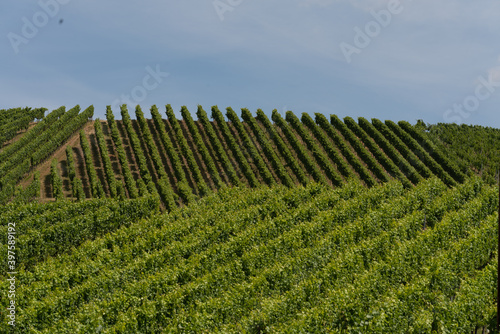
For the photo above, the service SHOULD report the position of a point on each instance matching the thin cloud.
(266, 54)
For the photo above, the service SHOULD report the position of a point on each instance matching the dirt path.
(97, 161)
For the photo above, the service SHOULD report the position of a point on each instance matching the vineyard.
(303, 259)
(183, 160)
(242, 223)
(478, 153)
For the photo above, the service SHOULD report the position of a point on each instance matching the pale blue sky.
(416, 63)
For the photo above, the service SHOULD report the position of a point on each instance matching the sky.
(400, 60)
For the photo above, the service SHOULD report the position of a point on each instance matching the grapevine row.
(387, 163)
(96, 188)
(414, 161)
(247, 142)
(77, 191)
(342, 166)
(396, 157)
(122, 156)
(216, 144)
(234, 147)
(163, 183)
(363, 153)
(31, 135)
(434, 151)
(317, 153)
(106, 160)
(301, 152)
(183, 187)
(57, 185)
(136, 146)
(267, 148)
(187, 152)
(198, 141)
(282, 148)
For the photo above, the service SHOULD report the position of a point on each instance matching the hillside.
(476, 148)
(244, 224)
(186, 159)
(269, 260)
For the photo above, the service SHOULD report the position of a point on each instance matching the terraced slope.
(266, 260)
(184, 159)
